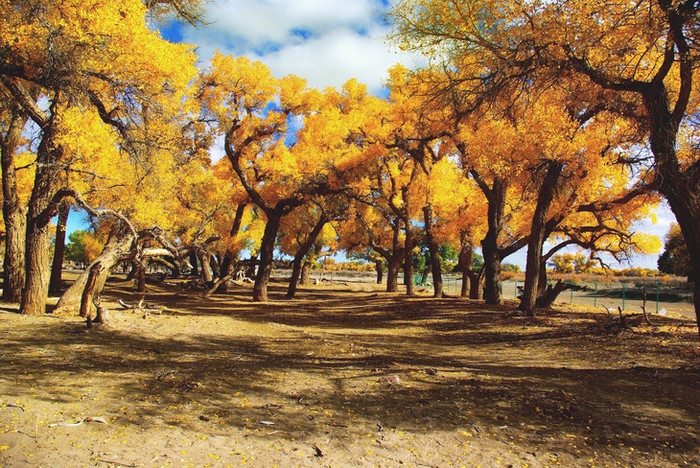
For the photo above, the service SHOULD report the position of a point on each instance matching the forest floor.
(344, 376)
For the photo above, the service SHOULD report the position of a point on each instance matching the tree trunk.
(38, 242)
(193, 262)
(170, 265)
(537, 237)
(267, 247)
(207, 271)
(681, 190)
(301, 254)
(470, 278)
(435, 267)
(475, 286)
(59, 248)
(296, 272)
(89, 291)
(226, 272)
(13, 214)
(379, 268)
(408, 263)
(392, 274)
(306, 274)
(140, 280)
(489, 245)
(394, 259)
(119, 247)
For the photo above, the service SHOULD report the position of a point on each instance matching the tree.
(84, 246)
(675, 259)
(280, 169)
(299, 235)
(109, 66)
(637, 59)
(13, 122)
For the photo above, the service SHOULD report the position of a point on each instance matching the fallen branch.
(80, 421)
(113, 462)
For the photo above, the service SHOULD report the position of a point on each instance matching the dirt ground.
(344, 376)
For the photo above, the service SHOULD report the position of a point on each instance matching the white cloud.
(325, 41)
(336, 57)
(260, 21)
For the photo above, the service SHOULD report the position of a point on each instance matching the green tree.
(675, 259)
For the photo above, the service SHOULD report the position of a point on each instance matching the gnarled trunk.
(392, 274)
(267, 247)
(38, 242)
(489, 245)
(207, 271)
(682, 190)
(59, 248)
(537, 237)
(470, 279)
(306, 274)
(13, 214)
(435, 267)
(408, 263)
(379, 269)
(301, 254)
(119, 247)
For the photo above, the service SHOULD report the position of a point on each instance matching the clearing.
(344, 376)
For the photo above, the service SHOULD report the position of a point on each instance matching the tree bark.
(119, 247)
(306, 274)
(537, 237)
(470, 279)
(38, 242)
(379, 268)
(435, 267)
(59, 248)
(392, 274)
(207, 271)
(267, 247)
(89, 291)
(681, 190)
(140, 280)
(489, 245)
(301, 254)
(408, 263)
(13, 213)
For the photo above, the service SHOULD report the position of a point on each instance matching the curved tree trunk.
(537, 237)
(119, 247)
(38, 242)
(682, 190)
(392, 274)
(306, 274)
(379, 269)
(267, 247)
(89, 291)
(207, 271)
(489, 245)
(140, 280)
(470, 278)
(59, 248)
(408, 264)
(301, 254)
(435, 267)
(13, 213)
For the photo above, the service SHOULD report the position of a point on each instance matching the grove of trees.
(535, 124)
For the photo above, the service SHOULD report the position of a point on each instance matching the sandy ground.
(344, 378)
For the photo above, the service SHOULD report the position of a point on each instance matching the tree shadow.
(330, 370)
